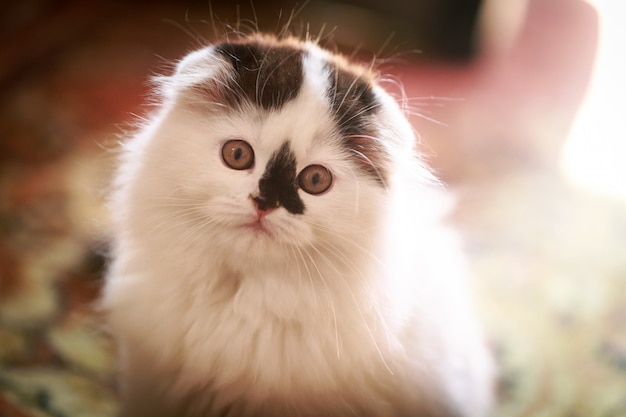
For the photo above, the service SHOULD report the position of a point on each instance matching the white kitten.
(278, 249)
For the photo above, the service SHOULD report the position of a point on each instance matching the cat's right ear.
(196, 66)
(195, 79)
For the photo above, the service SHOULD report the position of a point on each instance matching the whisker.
(357, 304)
(349, 263)
(332, 305)
(308, 270)
(334, 233)
(295, 259)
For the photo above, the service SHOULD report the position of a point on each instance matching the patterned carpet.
(548, 259)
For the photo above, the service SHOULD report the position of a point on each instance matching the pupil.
(315, 179)
(237, 153)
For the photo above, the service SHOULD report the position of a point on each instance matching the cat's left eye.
(315, 179)
(238, 154)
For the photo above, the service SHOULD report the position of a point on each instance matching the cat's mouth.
(258, 228)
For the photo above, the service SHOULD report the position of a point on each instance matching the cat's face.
(270, 150)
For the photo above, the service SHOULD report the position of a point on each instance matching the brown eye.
(238, 154)
(315, 179)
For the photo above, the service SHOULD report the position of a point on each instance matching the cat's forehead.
(274, 76)
(263, 75)
(269, 73)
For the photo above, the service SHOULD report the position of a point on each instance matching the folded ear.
(198, 73)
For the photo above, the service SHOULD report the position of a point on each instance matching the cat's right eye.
(238, 154)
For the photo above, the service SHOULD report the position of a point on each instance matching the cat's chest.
(273, 332)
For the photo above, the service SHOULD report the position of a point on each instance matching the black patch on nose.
(268, 76)
(277, 186)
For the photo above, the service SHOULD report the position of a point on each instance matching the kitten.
(278, 249)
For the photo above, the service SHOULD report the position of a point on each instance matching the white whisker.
(357, 303)
(330, 300)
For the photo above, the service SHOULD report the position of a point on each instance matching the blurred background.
(517, 105)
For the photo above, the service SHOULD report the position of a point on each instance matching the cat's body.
(279, 250)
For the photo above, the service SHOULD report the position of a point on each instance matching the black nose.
(263, 204)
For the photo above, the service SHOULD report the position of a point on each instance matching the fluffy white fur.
(358, 307)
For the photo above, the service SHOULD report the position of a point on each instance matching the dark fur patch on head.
(277, 186)
(264, 74)
(354, 105)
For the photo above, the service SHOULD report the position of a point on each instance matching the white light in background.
(595, 153)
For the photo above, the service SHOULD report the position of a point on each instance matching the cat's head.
(266, 148)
